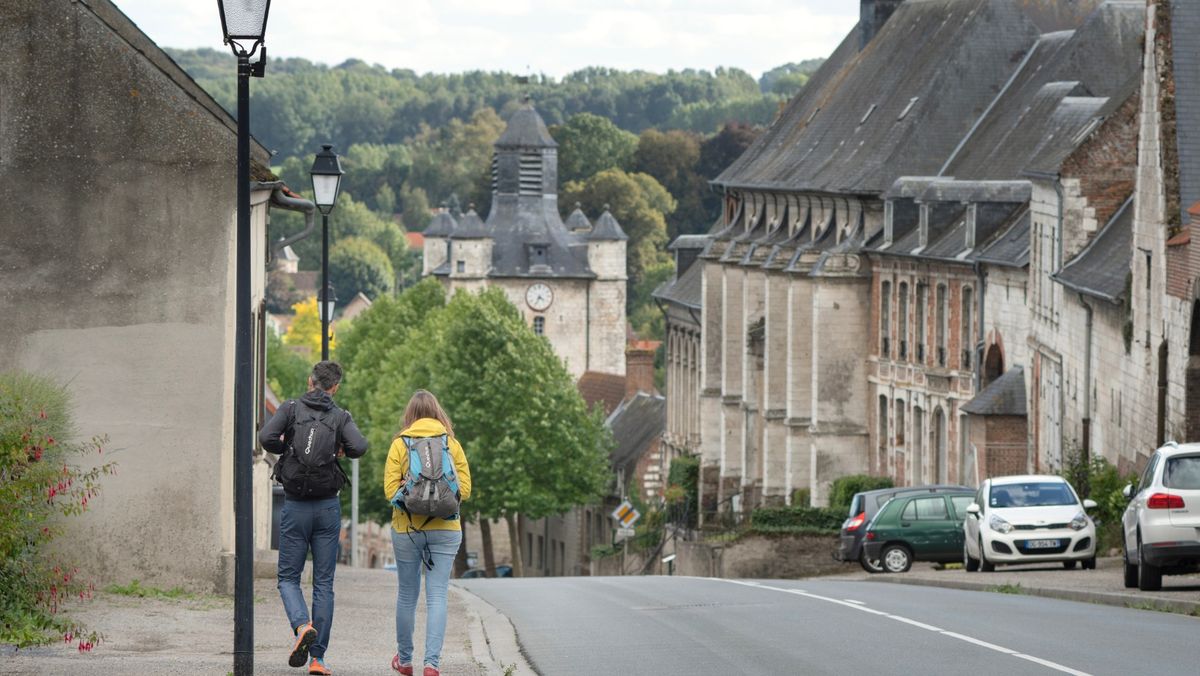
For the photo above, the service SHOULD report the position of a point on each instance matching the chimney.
(639, 367)
(872, 14)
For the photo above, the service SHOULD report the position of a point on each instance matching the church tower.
(566, 279)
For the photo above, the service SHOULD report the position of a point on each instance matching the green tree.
(671, 158)
(416, 208)
(589, 144)
(384, 354)
(450, 159)
(287, 369)
(357, 265)
(534, 448)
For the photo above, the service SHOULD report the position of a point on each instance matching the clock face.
(539, 296)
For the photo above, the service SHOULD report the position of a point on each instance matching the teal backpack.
(430, 486)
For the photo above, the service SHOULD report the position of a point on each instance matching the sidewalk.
(195, 635)
(1105, 585)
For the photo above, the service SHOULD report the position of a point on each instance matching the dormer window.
(537, 254)
(972, 221)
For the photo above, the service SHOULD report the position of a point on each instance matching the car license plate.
(1041, 544)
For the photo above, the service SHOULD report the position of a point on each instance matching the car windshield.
(1032, 494)
(1183, 473)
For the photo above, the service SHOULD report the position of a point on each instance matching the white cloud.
(543, 35)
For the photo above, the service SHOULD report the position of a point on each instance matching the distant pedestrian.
(312, 433)
(425, 479)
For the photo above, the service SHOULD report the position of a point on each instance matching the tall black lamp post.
(244, 23)
(327, 183)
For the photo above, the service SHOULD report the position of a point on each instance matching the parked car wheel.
(985, 566)
(1069, 565)
(870, 565)
(970, 563)
(896, 559)
(1149, 576)
(1131, 571)
(1088, 564)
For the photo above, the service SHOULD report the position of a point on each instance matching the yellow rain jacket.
(397, 466)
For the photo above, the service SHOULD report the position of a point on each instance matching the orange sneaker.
(317, 666)
(306, 635)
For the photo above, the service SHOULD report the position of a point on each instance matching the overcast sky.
(538, 36)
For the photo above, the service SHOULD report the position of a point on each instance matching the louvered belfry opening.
(531, 177)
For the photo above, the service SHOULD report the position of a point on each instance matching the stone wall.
(759, 557)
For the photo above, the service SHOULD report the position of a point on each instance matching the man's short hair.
(326, 374)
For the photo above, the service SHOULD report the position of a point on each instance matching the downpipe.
(281, 199)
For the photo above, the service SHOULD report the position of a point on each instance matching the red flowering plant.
(41, 487)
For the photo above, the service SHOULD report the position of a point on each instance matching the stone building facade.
(568, 279)
(122, 286)
(907, 254)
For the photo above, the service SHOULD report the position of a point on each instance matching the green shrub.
(1102, 482)
(38, 484)
(683, 490)
(844, 488)
(797, 519)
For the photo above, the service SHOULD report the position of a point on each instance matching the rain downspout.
(281, 199)
(982, 324)
(1087, 383)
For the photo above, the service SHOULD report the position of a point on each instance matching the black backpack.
(309, 467)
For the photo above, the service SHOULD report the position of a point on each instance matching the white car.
(1028, 519)
(1161, 525)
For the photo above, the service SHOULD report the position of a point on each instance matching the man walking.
(312, 433)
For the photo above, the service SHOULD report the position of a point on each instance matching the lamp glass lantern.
(244, 20)
(326, 302)
(326, 178)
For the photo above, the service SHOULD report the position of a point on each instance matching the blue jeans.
(305, 525)
(443, 546)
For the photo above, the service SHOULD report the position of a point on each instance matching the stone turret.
(437, 241)
(470, 248)
(606, 247)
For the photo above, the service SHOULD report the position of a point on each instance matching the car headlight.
(1079, 522)
(999, 525)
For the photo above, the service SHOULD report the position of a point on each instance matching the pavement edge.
(1131, 601)
(494, 643)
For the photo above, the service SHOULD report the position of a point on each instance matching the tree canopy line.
(644, 143)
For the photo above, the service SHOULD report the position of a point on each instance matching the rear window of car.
(856, 505)
(1182, 472)
(1031, 494)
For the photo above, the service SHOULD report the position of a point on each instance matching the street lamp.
(327, 183)
(244, 24)
(326, 302)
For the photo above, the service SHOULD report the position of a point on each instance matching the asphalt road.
(680, 625)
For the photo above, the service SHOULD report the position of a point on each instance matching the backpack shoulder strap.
(448, 465)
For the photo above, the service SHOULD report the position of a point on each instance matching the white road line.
(857, 605)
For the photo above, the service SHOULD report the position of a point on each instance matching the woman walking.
(423, 541)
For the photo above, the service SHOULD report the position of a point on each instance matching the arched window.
(885, 320)
(902, 311)
(539, 325)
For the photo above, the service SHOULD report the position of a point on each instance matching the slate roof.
(578, 222)
(517, 223)
(685, 290)
(443, 225)
(862, 121)
(1011, 248)
(634, 424)
(470, 227)
(607, 228)
(1185, 25)
(606, 389)
(1003, 396)
(1101, 268)
(688, 242)
(1061, 85)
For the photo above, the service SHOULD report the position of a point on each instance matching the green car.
(918, 528)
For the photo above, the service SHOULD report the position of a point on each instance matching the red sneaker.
(432, 671)
(403, 669)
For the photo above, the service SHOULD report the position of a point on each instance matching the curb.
(494, 643)
(1135, 601)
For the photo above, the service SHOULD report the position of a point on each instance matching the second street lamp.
(327, 183)
(244, 25)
